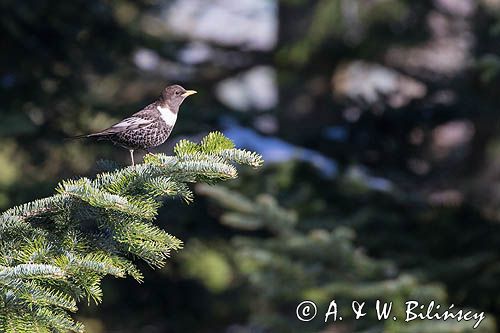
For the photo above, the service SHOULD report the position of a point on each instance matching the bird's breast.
(167, 115)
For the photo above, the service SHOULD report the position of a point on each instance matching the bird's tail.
(84, 136)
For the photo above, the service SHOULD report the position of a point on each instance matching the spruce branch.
(30, 271)
(247, 214)
(55, 251)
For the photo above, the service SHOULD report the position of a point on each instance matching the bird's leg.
(132, 156)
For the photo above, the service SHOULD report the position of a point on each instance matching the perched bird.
(149, 127)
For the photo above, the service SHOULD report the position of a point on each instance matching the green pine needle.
(215, 142)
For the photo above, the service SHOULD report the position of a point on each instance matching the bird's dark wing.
(146, 117)
(128, 124)
(148, 112)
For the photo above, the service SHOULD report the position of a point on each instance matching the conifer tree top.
(55, 251)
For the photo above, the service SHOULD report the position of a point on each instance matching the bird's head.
(174, 95)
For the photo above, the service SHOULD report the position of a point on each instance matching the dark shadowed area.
(379, 121)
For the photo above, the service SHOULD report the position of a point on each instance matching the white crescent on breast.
(168, 116)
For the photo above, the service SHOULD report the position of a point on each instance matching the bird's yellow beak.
(188, 93)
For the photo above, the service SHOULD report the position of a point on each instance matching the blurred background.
(378, 120)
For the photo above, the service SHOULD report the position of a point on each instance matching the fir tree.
(55, 251)
(295, 262)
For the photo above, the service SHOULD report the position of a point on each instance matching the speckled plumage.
(149, 127)
(143, 130)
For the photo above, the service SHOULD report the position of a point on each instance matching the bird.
(149, 127)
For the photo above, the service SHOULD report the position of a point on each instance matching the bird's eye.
(177, 92)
